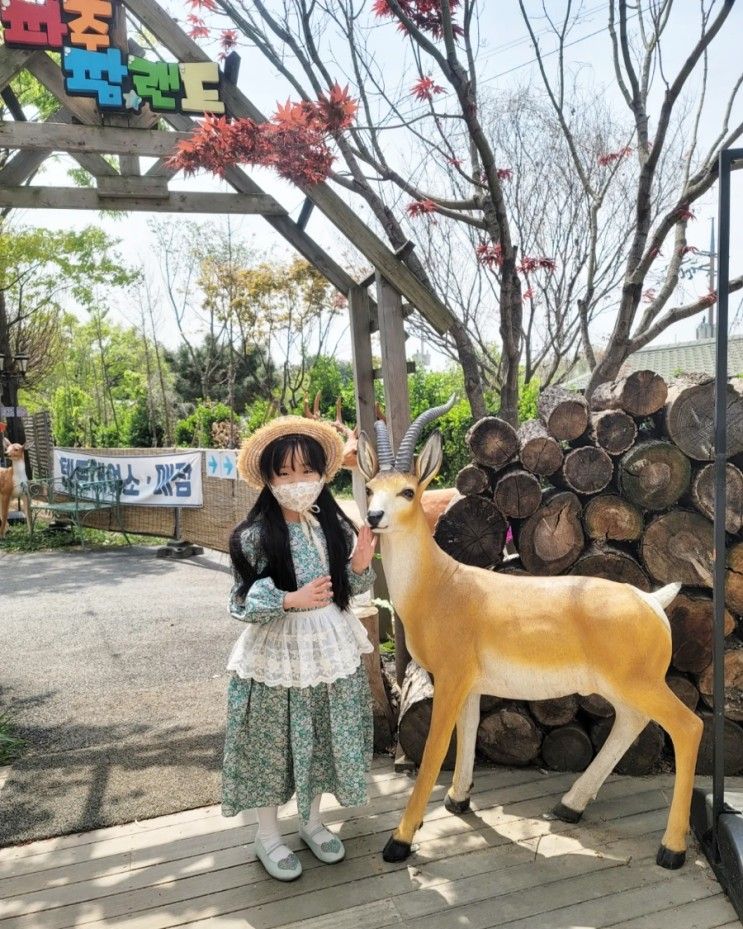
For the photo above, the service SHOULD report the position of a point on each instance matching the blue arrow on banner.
(228, 465)
(213, 464)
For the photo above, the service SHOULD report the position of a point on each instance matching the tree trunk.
(473, 532)
(539, 452)
(508, 736)
(416, 704)
(732, 752)
(551, 540)
(384, 718)
(641, 393)
(472, 480)
(609, 517)
(470, 368)
(678, 546)
(492, 442)
(557, 712)
(685, 690)
(585, 470)
(703, 495)
(613, 430)
(642, 755)
(517, 494)
(595, 706)
(654, 474)
(568, 748)
(733, 661)
(690, 415)
(564, 413)
(734, 578)
(692, 624)
(613, 564)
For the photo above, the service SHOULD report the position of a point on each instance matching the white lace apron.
(301, 649)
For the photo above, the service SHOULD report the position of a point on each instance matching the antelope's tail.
(666, 594)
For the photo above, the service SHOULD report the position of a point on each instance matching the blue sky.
(505, 60)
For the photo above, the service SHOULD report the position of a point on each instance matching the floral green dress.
(298, 702)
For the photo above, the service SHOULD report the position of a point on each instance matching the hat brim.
(249, 459)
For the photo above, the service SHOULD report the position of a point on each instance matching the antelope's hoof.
(565, 814)
(395, 850)
(670, 860)
(456, 806)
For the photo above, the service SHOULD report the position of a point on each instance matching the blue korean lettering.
(99, 73)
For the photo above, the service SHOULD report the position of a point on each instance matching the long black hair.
(275, 533)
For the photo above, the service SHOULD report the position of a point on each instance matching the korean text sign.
(148, 480)
(81, 30)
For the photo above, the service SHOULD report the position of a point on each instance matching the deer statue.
(435, 502)
(13, 480)
(524, 638)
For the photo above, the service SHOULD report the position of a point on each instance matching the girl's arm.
(263, 601)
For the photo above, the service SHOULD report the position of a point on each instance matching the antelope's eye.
(368, 491)
(408, 493)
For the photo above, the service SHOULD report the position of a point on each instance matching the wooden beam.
(151, 188)
(339, 212)
(58, 137)
(14, 107)
(177, 201)
(12, 60)
(363, 365)
(394, 363)
(25, 163)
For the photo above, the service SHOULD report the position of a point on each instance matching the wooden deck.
(501, 865)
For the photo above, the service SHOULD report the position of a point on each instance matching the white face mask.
(297, 497)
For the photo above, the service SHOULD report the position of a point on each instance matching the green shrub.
(196, 430)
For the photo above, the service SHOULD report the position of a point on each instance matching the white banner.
(171, 479)
(221, 462)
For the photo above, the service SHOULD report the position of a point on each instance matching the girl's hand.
(364, 551)
(312, 596)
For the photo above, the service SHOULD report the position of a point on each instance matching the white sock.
(268, 833)
(314, 827)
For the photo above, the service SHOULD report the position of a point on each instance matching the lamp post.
(13, 370)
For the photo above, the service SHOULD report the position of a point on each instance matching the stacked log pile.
(621, 489)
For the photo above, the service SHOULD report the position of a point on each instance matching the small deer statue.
(435, 502)
(525, 638)
(13, 480)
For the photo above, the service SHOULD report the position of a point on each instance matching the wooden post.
(396, 403)
(363, 374)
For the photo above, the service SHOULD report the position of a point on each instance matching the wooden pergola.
(85, 132)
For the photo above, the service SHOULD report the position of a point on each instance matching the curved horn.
(385, 455)
(404, 457)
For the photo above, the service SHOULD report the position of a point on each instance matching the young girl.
(299, 707)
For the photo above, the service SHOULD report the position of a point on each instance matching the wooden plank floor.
(502, 865)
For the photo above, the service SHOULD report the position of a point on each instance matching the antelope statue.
(13, 480)
(435, 502)
(524, 638)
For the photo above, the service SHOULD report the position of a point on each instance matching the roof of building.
(678, 358)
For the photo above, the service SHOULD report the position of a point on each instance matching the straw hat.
(249, 459)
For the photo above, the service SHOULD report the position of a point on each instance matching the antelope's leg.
(4, 507)
(457, 799)
(628, 724)
(448, 698)
(685, 729)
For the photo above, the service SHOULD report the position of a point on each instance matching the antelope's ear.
(368, 464)
(427, 464)
(6, 443)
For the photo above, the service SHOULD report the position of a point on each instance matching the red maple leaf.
(209, 5)
(419, 207)
(529, 263)
(199, 29)
(504, 174)
(684, 212)
(709, 298)
(648, 295)
(425, 88)
(425, 14)
(337, 109)
(489, 254)
(685, 249)
(228, 40)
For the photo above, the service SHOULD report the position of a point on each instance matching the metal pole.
(721, 384)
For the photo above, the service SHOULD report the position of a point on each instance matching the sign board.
(93, 67)
(13, 411)
(172, 479)
(221, 462)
